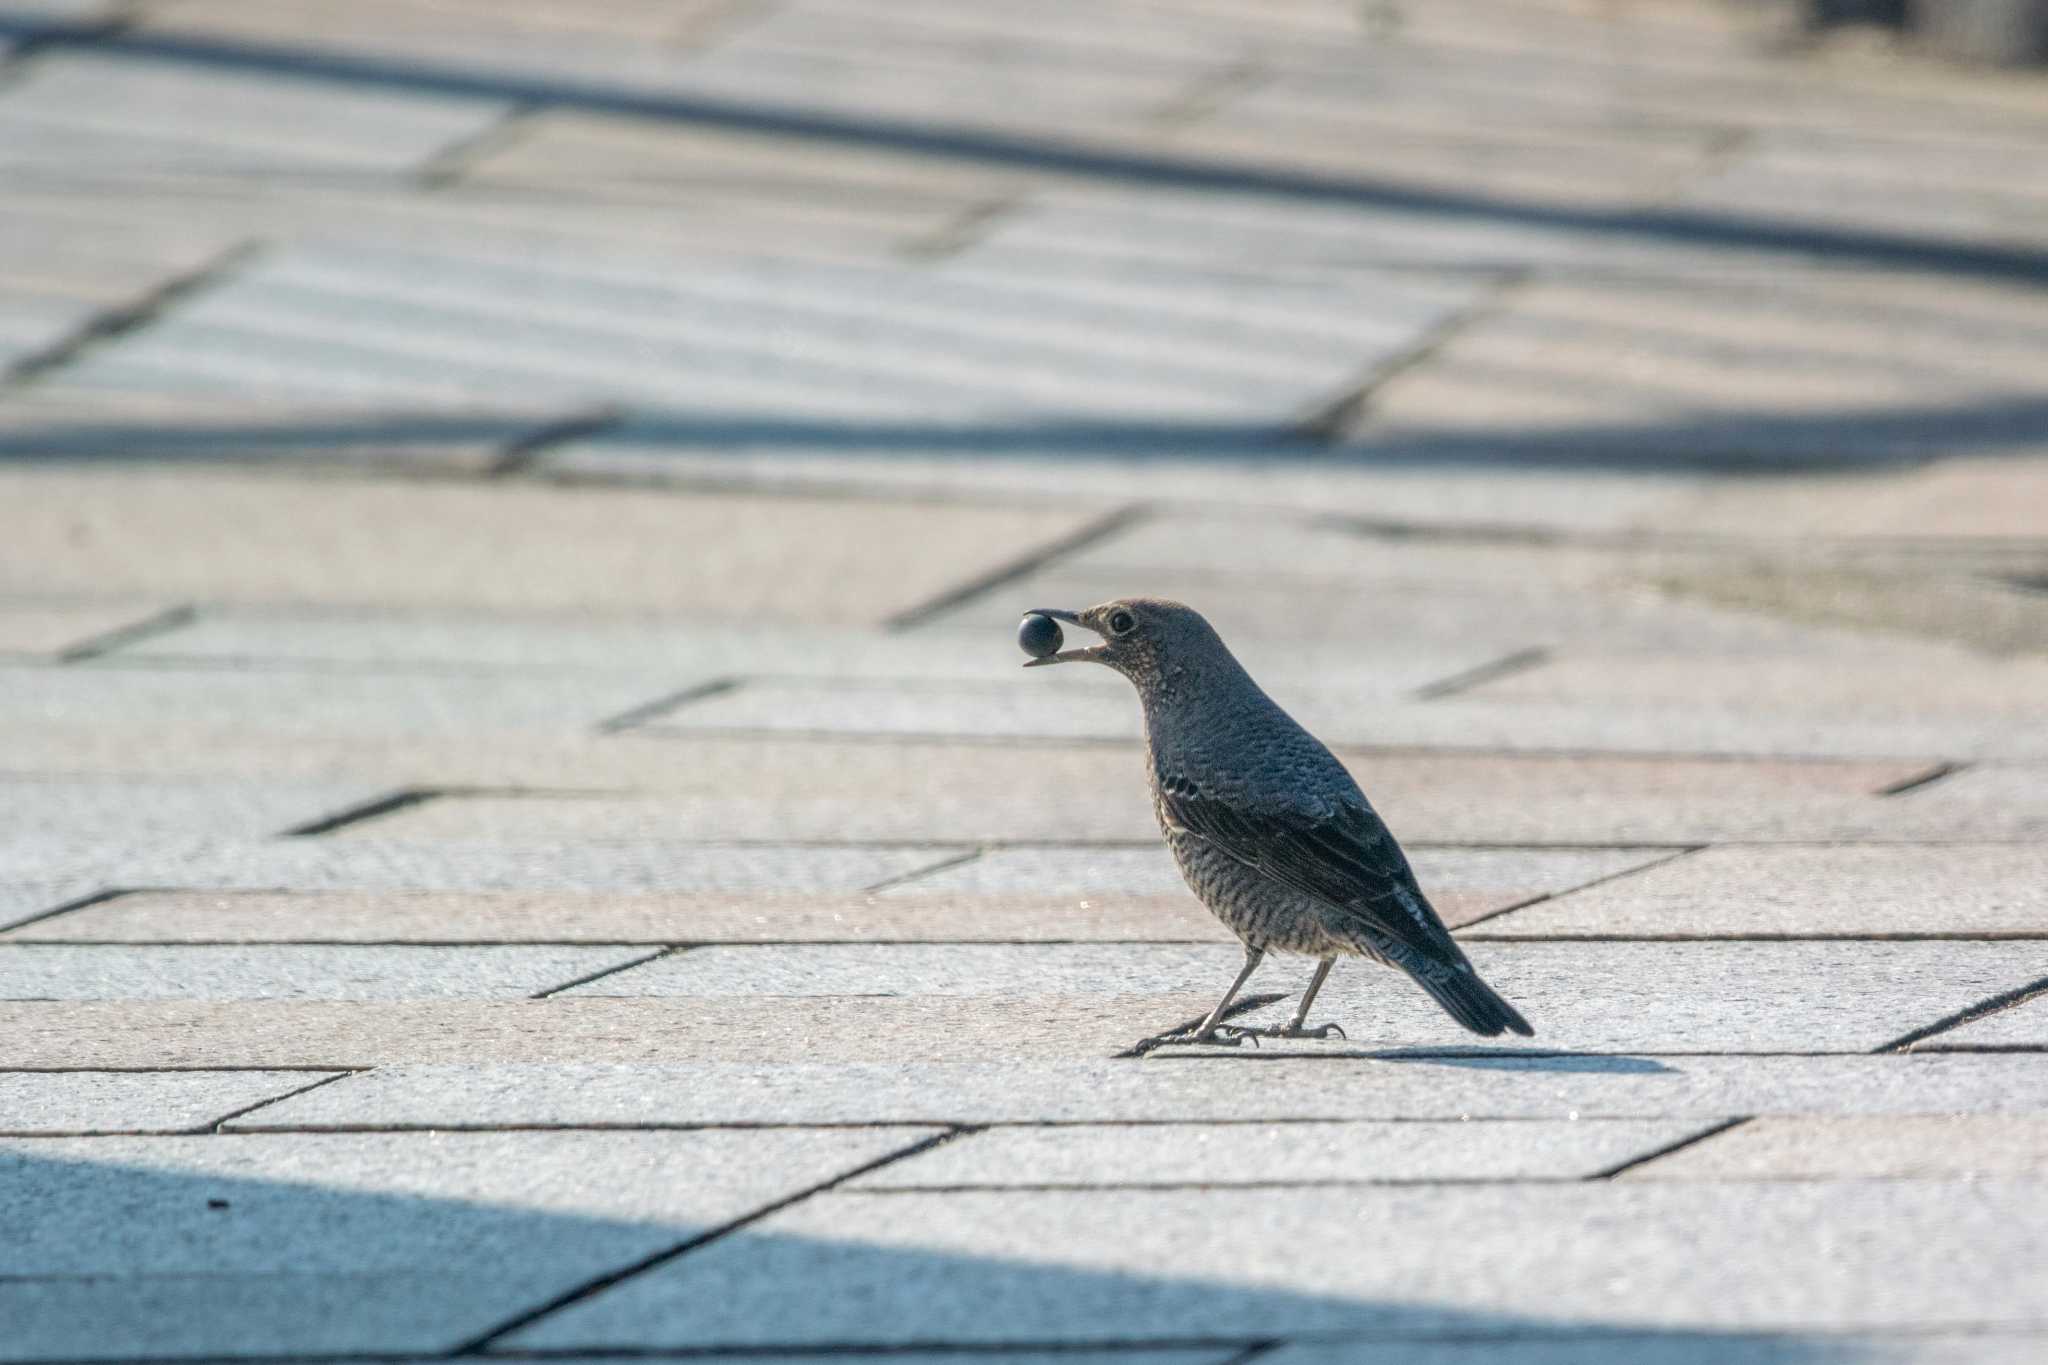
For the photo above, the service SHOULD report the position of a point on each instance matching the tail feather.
(1473, 1003)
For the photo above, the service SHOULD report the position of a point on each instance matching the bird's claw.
(1283, 1031)
(1221, 1036)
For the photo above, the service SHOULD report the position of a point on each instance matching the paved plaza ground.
(525, 835)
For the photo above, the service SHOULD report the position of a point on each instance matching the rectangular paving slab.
(42, 1102)
(1278, 1153)
(760, 1030)
(1606, 996)
(1859, 891)
(359, 1242)
(1447, 1261)
(1191, 1089)
(401, 543)
(332, 863)
(816, 789)
(116, 812)
(66, 971)
(1896, 1147)
(1463, 883)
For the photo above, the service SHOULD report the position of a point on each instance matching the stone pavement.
(524, 833)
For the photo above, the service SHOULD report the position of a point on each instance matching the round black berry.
(1039, 636)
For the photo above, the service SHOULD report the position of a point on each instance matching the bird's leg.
(1295, 1027)
(1206, 1031)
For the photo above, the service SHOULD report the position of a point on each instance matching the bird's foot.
(1220, 1036)
(1238, 1032)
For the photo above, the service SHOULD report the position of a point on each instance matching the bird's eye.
(1121, 622)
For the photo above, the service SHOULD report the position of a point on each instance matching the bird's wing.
(1341, 854)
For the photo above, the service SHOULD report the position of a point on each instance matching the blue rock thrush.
(1268, 827)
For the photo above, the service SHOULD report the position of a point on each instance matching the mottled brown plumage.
(1269, 829)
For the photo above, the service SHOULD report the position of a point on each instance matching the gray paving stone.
(1990, 802)
(334, 863)
(1684, 1348)
(754, 1030)
(1862, 890)
(403, 543)
(47, 629)
(1607, 996)
(50, 1102)
(117, 812)
(1463, 883)
(1927, 1147)
(1450, 1261)
(1265, 1153)
(308, 702)
(568, 917)
(1187, 1089)
(218, 120)
(56, 971)
(359, 1242)
(814, 789)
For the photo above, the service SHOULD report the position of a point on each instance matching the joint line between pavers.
(1997, 1004)
(160, 623)
(1103, 527)
(1936, 773)
(220, 1124)
(603, 1282)
(666, 950)
(1519, 661)
(363, 811)
(1582, 886)
(99, 897)
(521, 452)
(1712, 1130)
(114, 323)
(1352, 406)
(661, 706)
(448, 163)
(917, 874)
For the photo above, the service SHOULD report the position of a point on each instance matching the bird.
(1270, 831)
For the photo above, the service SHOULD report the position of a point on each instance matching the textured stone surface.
(359, 1242)
(119, 811)
(62, 971)
(1619, 997)
(822, 790)
(652, 1030)
(1260, 1153)
(34, 1103)
(1946, 1147)
(570, 917)
(1188, 1089)
(410, 544)
(1832, 891)
(1463, 883)
(1675, 1255)
(363, 864)
(1681, 1347)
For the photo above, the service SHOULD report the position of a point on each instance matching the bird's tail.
(1473, 1003)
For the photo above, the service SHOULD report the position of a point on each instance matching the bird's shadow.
(1600, 1063)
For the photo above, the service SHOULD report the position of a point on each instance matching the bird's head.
(1143, 638)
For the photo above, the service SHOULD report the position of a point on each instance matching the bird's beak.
(1092, 654)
